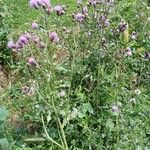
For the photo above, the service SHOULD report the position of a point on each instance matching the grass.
(21, 15)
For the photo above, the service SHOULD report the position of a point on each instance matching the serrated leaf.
(87, 107)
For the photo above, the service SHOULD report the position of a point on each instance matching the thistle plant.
(81, 81)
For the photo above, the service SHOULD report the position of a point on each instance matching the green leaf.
(81, 115)
(87, 107)
(4, 145)
(110, 125)
(3, 114)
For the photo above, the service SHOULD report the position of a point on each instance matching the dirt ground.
(3, 79)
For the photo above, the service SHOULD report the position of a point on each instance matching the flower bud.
(49, 10)
(34, 4)
(11, 45)
(19, 45)
(28, 36)
(93, 2)
(32, 62)
(41, 45)
(79, 17)
(35, 38)
(54, 37)
(35, 25)
(106, 23)
(85, 11)
(59, 10)
(79, 2)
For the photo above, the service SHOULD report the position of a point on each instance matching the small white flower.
(133, 100)
(129, 52)
(115, 108)
(62, 93)
(137, 91)
(74, 113)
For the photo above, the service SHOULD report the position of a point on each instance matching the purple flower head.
(79, 17)
(107, 22)
(79, 2)
(35, 38)
(114, 108)
(23, 39)
(85, 11)
(59, 10)
(19, 45)
(37, 3)
(43, 3)
(35, 25)
(32, 62)
(41, 45)
(34, 3)
(54, 37)
(128, 52)
(93, 2)
(49, 10)
(11, 45)
(47, 2)
(104, 20)
(28, 36)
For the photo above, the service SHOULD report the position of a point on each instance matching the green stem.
(60, 126)
(48, 137)
(52, 52)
